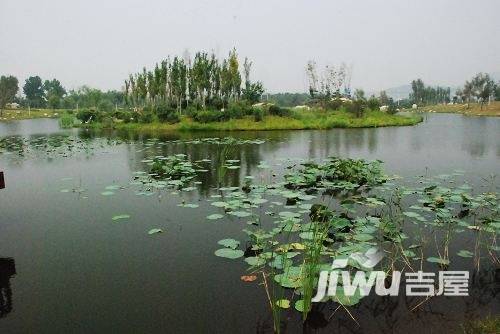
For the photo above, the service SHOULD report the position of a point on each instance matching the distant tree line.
(51, 94)
(423, 95)
(481, 88)
(288, 99)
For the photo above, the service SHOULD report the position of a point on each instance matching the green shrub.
(105, 105)
(166, 113)
(258, 114)
(391, 110)
(278, 111)
(356, 107)
(207, 116)
(239, 109)
(89, 115)
(216, 103)
(145, 117)
(373, 103)
(125, 116)
(66, 121)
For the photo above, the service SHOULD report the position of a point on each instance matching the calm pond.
(67, 267)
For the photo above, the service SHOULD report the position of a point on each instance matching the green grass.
(473, 109)
(18, 114)
(298, 121)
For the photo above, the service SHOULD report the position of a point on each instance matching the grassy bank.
(18, 114)
(301, 121)
(474, 109)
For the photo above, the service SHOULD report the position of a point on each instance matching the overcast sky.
(388, 43)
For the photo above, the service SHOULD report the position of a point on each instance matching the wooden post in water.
(2, 181)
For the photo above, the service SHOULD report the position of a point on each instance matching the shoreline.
(269, 123)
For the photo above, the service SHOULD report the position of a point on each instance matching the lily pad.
(155, 231)
(215, 216)
(283, 303)
(299, 305)
(107, 193)
(255, 261)
(229, 253)
(230, 243)
(120, 217)
(240, 214)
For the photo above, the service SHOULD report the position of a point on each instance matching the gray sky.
(388, 42)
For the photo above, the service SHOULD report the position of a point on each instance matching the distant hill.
(399, 92)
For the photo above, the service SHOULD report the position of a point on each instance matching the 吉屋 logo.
(450, 283)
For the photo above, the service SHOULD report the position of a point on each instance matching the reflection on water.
(7, 270)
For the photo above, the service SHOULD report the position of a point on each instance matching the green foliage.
(356, 107)
(175, 167)
(278, 111)
(258, 115)
(202, 81)
(145, 116)
(373, 103)
(66, 121)
(89, 115)
(125, 116)
(207, 116)
(289, 99)
(166, 113)
(8, 90)
(54, 93)
(35, 94)
(253, 92)
(422, 94)
(238, 109)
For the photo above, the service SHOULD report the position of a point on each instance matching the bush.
(258, 115)
(278, 111)
(166, 113)
(89, 115)
(373, 103)
(66, 121)
(356, 107)
(207, 116)
(391, 110)
(125, 116)
(334, 104)
(238, 109)
(216, 103)
(105, 105)
(145, 117)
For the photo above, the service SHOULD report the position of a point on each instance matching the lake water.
(67, 267)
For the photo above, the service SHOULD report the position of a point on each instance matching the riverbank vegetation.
(298, 120)
(205, 92)
(210, 94)
(471, 109)
(19, 114)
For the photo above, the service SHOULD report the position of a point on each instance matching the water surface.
(65, 266)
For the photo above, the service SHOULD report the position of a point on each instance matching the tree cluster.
(422, 94)
(332, 81)
(480, 88)
(204, 81)
(8, 90)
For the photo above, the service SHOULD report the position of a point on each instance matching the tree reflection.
(7, 270)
